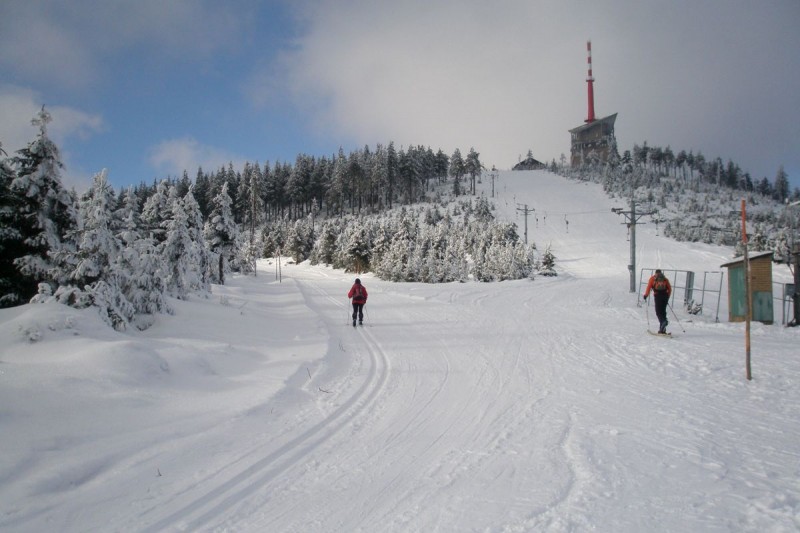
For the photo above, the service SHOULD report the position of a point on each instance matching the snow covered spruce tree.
(394, 264)
(199, 278)
(357, 246)
(499, 255)
(457, 170)
(473, 167)
(44, 211)
(91, 272)
(300, 240)
(100, 270)
(325, 244)
(221, 233)
(251, 249)
(454, 265)
(381, 239)
(273, 237)
(548, 262)
(156, 211)
(139, 257)
(97, 247)
(178, 251)
(12, 287)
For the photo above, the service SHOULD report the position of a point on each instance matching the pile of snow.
(532, 405)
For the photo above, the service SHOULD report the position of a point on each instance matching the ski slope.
(518, 406)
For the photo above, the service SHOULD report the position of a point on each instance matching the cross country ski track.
(399, 430)
(434, 432)
(253, 479)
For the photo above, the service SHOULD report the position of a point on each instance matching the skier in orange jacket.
(662, 290)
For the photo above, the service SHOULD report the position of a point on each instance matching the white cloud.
(38, 47)
(510, 76)
(173, 156)
(71, 123)
(67, 42)
(19, 105)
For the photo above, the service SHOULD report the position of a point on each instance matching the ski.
(656, 334)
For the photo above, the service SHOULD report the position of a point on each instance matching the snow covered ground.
(517, 406)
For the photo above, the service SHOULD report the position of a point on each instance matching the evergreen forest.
(407, 214)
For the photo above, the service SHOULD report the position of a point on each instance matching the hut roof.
(739, 260)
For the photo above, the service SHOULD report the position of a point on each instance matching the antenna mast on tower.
(590, 83)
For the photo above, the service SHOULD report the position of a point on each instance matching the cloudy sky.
(148, 88)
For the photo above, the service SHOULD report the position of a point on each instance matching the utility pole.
(493, 175)
(253, 205)
(526, 211)
(795, 267)
(632, 219)
(748, 296)
(796, 295)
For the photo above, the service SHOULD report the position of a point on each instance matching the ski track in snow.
(230, 496)
(421, 418)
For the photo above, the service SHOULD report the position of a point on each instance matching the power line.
(576, 212)
(526, 212)
(632, 219)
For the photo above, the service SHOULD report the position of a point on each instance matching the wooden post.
(748, 296)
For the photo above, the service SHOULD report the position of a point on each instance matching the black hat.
(658, 271)
(358, 281)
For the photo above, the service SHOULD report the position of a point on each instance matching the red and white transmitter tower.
(593, 141)
(590, 83)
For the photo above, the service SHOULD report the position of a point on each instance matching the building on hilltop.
(529, 163)
(593, 142)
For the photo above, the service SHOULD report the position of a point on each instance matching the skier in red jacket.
(359, 295)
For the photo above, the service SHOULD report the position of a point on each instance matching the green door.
(738, 302)
(762, 300)
(762, 307)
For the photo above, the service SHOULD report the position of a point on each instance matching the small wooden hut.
(760, 288)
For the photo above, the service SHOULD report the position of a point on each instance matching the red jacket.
(652, 282)
(358, 296)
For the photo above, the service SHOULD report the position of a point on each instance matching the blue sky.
(149, 88)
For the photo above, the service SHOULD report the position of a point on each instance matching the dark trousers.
(358, 311)
(660, 301)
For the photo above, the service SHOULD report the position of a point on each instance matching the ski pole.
(676, 318)
(647, 310)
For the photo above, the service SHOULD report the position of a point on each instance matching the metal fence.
(698, 294)
(784, 293)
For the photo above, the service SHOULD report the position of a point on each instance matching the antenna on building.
(590, 83)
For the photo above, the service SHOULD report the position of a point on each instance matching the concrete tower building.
(594, 141)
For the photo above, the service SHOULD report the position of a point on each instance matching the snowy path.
(458, 408)
(433, 438)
